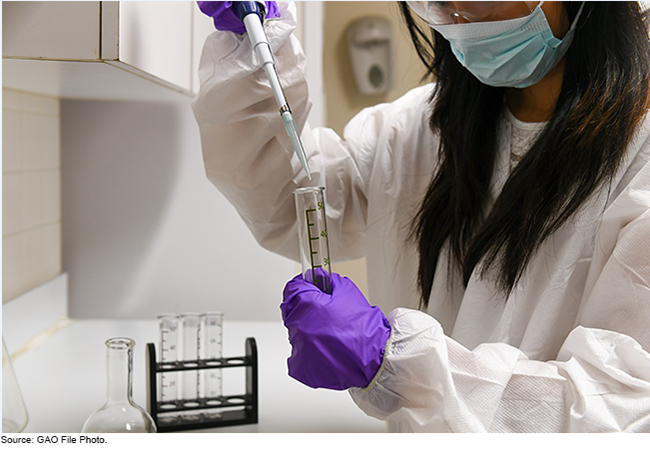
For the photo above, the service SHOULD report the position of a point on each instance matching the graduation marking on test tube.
(313, 253)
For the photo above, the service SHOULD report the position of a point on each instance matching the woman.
(504, 212)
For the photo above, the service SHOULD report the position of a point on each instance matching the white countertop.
(64, 380)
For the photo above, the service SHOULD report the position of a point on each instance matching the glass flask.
(14, 414)
(119, 414)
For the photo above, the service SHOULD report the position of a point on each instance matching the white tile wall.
(31, 191)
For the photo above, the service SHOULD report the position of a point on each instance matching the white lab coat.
(567, 352)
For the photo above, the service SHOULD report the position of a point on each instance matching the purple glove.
(225, 18)
(337, 340)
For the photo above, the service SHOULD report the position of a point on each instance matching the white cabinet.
(103, 50)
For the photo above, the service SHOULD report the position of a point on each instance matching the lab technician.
(504, 211)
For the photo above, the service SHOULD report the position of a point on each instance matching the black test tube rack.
(232, 410)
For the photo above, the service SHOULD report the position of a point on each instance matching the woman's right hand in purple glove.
(225, 18)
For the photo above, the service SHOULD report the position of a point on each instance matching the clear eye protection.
(447, 13)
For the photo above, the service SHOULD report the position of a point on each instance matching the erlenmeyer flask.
(120, 414)
(14, 414)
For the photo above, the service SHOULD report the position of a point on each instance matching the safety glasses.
(446, 13)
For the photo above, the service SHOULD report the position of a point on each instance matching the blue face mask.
(508, 53)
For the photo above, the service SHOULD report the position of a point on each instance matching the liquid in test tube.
(212, 352)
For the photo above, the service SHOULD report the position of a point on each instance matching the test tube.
(168, 356)
(312, 236)
(212, 352)
(190, 355)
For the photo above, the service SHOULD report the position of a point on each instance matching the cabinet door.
(51, 30)
(144, 46)
(156, 37)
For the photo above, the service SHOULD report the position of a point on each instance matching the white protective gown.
(569, 350)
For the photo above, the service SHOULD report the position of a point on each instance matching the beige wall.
(31, 191)
(343, 100)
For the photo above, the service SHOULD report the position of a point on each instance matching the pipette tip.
(294, 136)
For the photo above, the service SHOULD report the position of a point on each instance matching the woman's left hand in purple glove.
(225, 19)
(337, 339)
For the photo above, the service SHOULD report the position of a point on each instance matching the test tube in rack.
(168, 356)
(211, 353)
(190, 356)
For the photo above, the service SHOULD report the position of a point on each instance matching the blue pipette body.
(251, 15)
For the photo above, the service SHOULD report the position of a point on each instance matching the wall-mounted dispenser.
(371, 43)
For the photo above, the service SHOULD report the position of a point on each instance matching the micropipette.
(251, 15)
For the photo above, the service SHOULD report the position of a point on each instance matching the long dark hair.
(605, 94)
